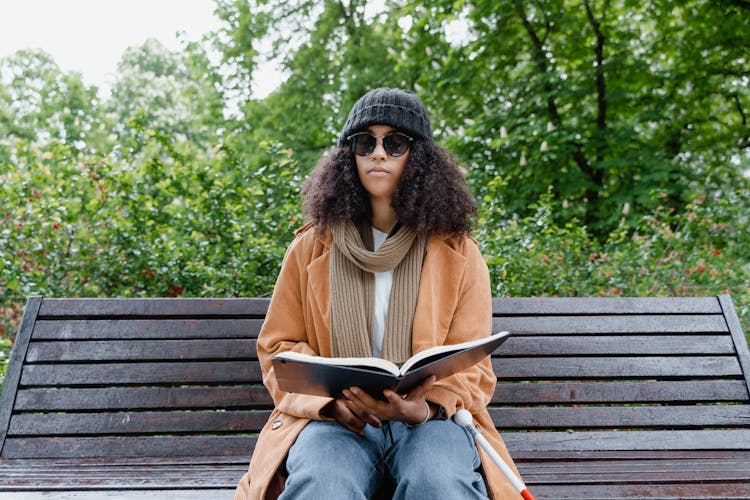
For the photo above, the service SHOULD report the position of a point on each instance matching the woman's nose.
(379, 151)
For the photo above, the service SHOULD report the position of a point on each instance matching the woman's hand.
(409, 408)
(340, 412)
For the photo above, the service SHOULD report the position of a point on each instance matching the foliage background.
(607, 142)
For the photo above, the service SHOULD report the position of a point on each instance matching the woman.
(386, 268)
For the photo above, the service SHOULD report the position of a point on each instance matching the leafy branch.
(541, 60)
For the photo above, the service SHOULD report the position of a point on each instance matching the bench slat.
(257, 396)
(603, 325)
(175, 422)
(130, 446)
(134, 446)
(126, 329)
(624, 367)
(114, 350)
(505, 368)
(531, 306)
(644, 470)
(155, 462)
(121, 494)
(733, 439)
(509, 394)
(609, 345)
(554, 456)
(147, 350)
(584, 479)
(622, 392)
(258, 306)
(693, 490)
(570, 472)
(130, 477)
(203, 307)
(146, 422)
(114, 398)
(62, 399)
(231, 328)
(140, 373)
(621, 417)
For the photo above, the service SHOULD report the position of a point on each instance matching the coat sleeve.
(285, 329)
(472, 388)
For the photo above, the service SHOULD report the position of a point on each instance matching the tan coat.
(454, 305)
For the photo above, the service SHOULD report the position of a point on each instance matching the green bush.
(172, 223)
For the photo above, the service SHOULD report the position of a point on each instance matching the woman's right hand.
(357, 408)
(339, 411)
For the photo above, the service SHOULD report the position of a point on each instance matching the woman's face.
(378, 172)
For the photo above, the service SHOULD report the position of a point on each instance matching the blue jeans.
(437, 460)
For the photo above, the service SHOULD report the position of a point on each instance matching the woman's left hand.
(409, 408)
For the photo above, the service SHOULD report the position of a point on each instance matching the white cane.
(463, 418)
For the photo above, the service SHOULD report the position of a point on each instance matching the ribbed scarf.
(352, 289)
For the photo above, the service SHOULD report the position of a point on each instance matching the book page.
(366, 363)
(437, 352)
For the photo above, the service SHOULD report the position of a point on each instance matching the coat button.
(276, 425)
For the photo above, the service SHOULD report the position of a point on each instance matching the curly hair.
(431, 196)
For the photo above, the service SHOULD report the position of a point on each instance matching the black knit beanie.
(398, 108)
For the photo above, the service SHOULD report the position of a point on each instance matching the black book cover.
(321, 376)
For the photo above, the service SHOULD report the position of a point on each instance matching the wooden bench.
(162, 398)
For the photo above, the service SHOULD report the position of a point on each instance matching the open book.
(320, 376)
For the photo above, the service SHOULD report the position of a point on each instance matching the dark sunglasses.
(395, 143)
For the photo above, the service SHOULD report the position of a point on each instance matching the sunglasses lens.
(363, 144)
(396, 144)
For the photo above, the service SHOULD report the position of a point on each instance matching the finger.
(353, 402)
(355, 425)
(352, 406)
(363, 398)
(364, 413)
(345, 417)
(406, 409)
(365, 403)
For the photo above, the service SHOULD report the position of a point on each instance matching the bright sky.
(90, 36)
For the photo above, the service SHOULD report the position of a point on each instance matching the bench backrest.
(179, 378)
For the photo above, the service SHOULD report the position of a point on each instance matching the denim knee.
(437, 460)
(328, 461)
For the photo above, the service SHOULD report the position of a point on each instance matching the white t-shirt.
(383, 283)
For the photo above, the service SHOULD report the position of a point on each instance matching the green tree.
(176, 93)
(613, 103)
(332, 52)
(608, 102)
(40, 103)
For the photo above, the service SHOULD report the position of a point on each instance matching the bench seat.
(162, 398)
